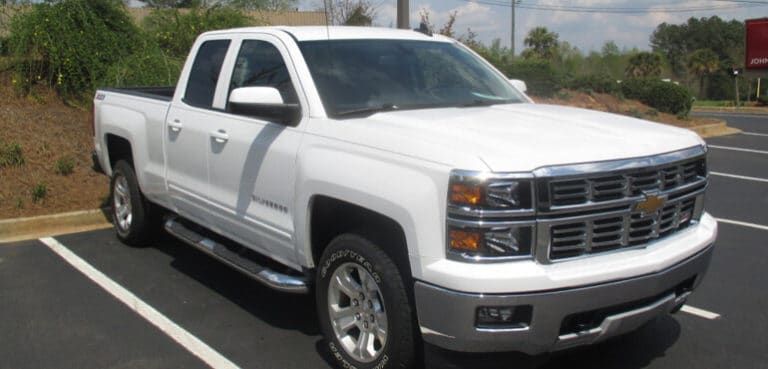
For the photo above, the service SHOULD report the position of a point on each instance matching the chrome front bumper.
(557, 321)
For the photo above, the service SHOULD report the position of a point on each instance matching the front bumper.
(559, 319)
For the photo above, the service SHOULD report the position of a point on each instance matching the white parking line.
(743, 224)
(737, 149)
(167, 326)
(756, 179)
(701, 313)
(755, 134)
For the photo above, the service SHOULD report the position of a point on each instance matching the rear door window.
(201, 86)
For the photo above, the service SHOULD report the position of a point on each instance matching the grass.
(39, 192)
(65, 166)
(11, 155)
(714, 103)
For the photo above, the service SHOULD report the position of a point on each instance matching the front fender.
(407, 190)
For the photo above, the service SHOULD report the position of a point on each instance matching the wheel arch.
(330, 217)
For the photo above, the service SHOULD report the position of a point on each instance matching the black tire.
(143, 222)
(399, 351)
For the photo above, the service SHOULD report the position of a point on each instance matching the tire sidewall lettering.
(339, 257)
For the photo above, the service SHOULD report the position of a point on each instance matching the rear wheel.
(363, 306)
(132, 215)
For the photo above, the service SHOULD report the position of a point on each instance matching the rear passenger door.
(252, 171)
(187, 127)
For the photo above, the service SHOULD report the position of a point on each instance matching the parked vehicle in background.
(413, 188)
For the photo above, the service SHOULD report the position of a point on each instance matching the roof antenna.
(327, 19)
(424, 28)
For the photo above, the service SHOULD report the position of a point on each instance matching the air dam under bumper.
(560, 319)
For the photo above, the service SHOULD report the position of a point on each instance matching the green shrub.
(600, 83)
(148, 67)
(762, 101)
(11, 155)
(3, 46)
(670, 98)
(70, 44)
(39, 192)
(65, 166)
(633, 112)
(540, 76)
(664, 96)
(563, 95)
(175, 31)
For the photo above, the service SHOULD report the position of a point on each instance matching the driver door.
(251, 163)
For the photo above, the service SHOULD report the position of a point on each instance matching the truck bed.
(164, 93)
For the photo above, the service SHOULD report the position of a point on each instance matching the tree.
(447, 29)
(173, 3)
(271, 5)
(350, 12)
(702, 63)
(644, 64)
(541, 43)
(677, 42)
(610, 49)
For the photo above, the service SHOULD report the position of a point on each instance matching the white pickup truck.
(420, 194)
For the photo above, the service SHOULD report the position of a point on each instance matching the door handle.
(220, 136)
(175, 125)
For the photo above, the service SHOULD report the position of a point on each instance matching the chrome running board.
(268, 277)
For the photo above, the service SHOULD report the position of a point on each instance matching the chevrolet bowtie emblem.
(651, 204)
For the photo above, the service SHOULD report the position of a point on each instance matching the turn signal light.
(466, 194)
(461, 240)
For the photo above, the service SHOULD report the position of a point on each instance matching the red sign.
(757, 44)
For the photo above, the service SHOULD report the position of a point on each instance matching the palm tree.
(701, 64)
(541, 44)
(643, 65)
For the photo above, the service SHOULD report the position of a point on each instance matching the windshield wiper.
(368, 110)
(482, 102)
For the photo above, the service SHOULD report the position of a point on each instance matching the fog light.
(504, 317)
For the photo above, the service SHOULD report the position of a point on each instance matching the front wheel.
(363, 306)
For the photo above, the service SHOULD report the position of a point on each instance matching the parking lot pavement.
(51, 316)
(54, 316)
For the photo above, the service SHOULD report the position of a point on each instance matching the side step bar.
(270, 278)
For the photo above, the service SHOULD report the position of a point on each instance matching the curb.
(714, 130)
(20, 229)
(749, 111)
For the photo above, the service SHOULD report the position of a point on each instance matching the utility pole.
(512, 39)
(403, 14)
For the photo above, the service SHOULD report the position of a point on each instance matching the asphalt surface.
(53, 316)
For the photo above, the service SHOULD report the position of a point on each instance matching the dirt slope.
(47, 131)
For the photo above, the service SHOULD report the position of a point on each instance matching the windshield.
(366, 76)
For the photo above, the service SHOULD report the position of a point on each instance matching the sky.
(587, 31)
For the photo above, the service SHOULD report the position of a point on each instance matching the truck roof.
(315, 33)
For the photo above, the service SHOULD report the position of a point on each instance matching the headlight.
(479, 191)
(490, 217)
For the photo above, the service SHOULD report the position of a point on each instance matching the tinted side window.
(259, 64)
(205, 73)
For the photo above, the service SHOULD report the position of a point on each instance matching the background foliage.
(175, 31)
(76, 45)
(69, 45)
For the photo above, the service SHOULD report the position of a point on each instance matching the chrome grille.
(615, 186)
(587, 209)
(610, 232)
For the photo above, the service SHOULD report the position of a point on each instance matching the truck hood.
(514, 137)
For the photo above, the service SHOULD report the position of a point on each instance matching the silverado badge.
(652, 203)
